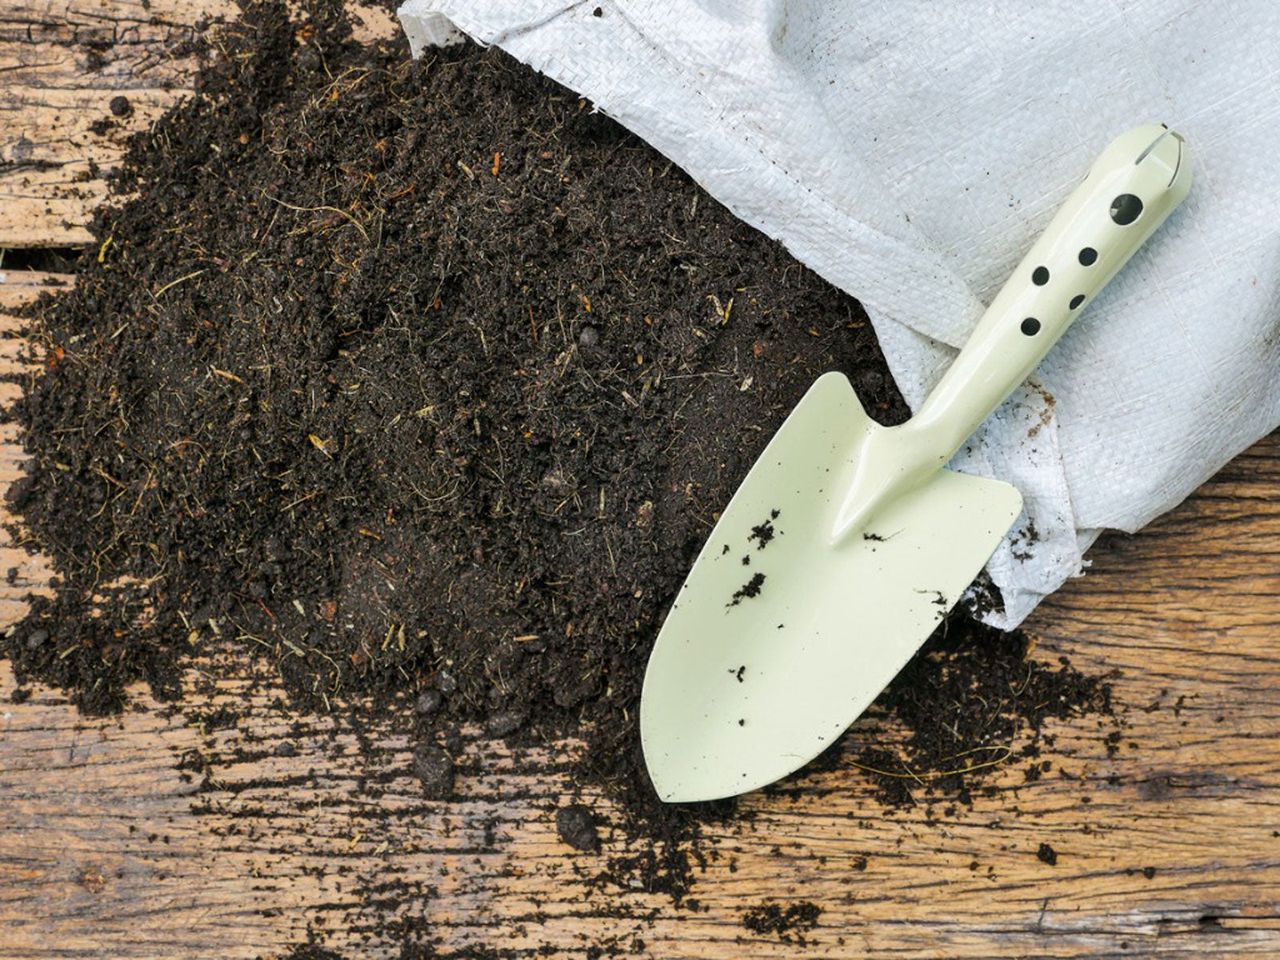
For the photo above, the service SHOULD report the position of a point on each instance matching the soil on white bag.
(428, 381)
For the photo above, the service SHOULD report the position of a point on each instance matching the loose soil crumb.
(577, 827)
(434, 767)
(1046, 854)
(762, 533)
(748, 590)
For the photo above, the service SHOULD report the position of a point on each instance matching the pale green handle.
(1093, 235)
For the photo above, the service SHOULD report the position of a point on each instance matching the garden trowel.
(848, 542)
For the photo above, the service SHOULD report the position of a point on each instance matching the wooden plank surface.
(165, 834)
(61, 63)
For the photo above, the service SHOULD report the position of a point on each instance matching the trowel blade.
(780, 637)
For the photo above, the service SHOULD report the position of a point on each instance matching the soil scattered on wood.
(434, 767)
(973, 701)
(425, 382)
(787, 923)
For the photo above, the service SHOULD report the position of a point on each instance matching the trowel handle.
(1132, 187)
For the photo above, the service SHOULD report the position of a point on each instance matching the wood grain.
(62, 61)
(161, 833)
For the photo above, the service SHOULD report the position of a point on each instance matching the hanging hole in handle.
(1088, 257)
(1125, 209)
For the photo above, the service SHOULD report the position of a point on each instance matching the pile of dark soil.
(426, 381)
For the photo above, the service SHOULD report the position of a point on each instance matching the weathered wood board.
(109, 846)
(62, 62)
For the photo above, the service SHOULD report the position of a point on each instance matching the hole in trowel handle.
(1125, 209)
